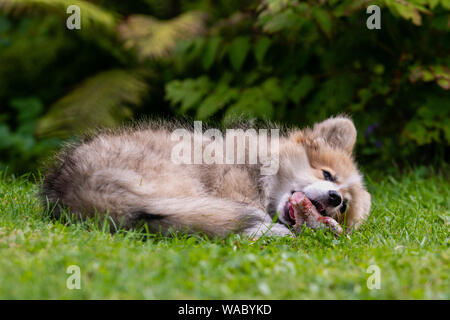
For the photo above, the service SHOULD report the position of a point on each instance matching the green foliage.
(188, 92)
(104, 98)
(92, 14)
(18, 145)
(291, 61)
(315, 59)
(238, 50)
(156, 39)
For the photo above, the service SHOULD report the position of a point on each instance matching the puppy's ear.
(339, 132)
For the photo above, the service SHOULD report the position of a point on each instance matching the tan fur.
(130, 176)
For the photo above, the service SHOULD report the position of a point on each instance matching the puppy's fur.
(129, 175)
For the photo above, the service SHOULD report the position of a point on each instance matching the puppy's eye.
(327, 176)
(344, 206)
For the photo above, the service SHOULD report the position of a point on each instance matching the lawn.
(406, 236)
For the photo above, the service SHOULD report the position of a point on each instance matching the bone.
(306, 213)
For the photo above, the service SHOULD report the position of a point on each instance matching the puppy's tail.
(129, 203)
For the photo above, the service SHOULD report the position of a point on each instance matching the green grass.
(406, 236)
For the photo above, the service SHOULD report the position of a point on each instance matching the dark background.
(294, 62)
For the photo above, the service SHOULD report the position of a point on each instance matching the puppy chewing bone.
(306, 213)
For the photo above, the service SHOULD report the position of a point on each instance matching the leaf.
(430, 120)
(154, 38)
(323, 19)
(333, 95)
(433, 3)
(91, 14)
(194, 50)
(441, 22)
(302, 88)
(446, 4)
(188, 92)
(211, 52)
(347, 8)
(261, 48)
(438, 73)
(251, 103)
(238, 51)
(27, 108)
(407, 10)
(215, 101)
(272, 90)
(444, 83)
(101, 100)
(285, 20)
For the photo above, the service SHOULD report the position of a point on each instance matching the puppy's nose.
(334, 198)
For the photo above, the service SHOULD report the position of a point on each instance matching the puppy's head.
(319, 163)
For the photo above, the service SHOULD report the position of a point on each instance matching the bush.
(299, 62)
(296, 62)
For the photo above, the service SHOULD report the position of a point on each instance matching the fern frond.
(100, 101)
(154, 38)
(91, 14)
